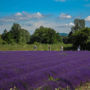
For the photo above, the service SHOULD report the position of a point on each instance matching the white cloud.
(18, 14)
(87, 19)
(65, 16)
(38, 24)
(59, 27)
(35, 15)
(31, 25)
(5, 26)
(38, 15)
(71, 24)
(30, 22)
(65, 25)
(4, 20)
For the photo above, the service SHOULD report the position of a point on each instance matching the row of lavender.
(31, 69)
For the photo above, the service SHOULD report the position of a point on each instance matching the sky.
(31, 14)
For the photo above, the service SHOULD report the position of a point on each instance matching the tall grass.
(29, 47)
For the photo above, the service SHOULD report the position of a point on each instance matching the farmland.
(40, 47)
(33, 69)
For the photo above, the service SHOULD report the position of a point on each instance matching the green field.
(29, 47)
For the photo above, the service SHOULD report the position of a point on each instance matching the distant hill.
(63, 34)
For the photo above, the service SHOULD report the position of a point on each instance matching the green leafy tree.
(88, 45)
(20, 35)
(3, 36)
(9, 38)
(1, 40)
(87, 30)
(15, 31)
(44, 35)
(24, 36)
(78, 25)
(16, 35)
(65, 40)
(79, 38)
(59, 38)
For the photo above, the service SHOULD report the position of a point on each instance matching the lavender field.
(27, 70)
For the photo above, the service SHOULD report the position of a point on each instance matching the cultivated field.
(28, 70)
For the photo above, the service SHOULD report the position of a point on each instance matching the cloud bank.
(31, 21)
(87, 18)
(65, 16)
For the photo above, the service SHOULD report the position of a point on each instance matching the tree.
(78, 25)
(3, 36)
(87, 30)
(65, 40)
(79, 38)
(44, 35)
(24, 36)
(1, 40)
(20, 35)
(9, 38)
(16, 35)
(15, 31)
(16, 27)
(88, 45)
(59, 38)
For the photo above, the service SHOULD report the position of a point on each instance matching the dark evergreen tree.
(3, 36)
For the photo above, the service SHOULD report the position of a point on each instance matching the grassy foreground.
(29, 47)
(82, 87)
(86, 86)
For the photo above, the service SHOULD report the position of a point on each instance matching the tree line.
(79, 35)
(19, 36)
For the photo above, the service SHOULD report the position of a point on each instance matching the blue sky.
(30, 14)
